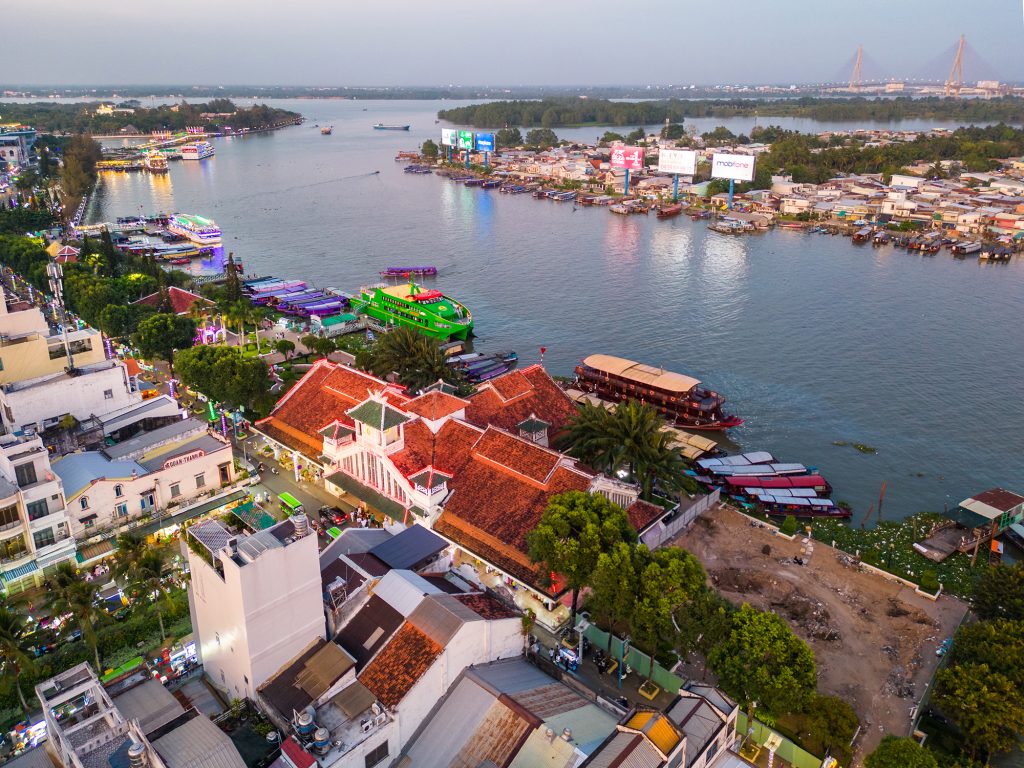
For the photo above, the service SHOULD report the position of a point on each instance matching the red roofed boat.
(407, 271)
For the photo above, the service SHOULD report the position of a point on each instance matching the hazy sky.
(535, 42)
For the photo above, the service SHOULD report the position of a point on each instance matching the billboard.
(682, 161)
(738, 167)
(465, 140)
(630, 158)
(485, 142)
(449, 137)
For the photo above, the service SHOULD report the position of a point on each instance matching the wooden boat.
(681, 399)
(326, 130)
(862, 235)
(407, 271)
(668, 211)
(880, 238)
(383, 127)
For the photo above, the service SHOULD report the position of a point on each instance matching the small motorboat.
(407, 271)
(668, 211)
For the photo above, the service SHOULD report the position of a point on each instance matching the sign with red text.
(184, 459)
(630, 158)
(681, 161)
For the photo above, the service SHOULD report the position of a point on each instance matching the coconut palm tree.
(79, 599)
(147, 575)
(130, 549)
(417, 359)
(12, 633)
(629, 438)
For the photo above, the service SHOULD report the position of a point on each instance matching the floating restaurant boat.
(429, 312)
(407, 271)
(198, 150)
(799, 506)
(681, 399)
(814, 482)
(777, 469)
(383, 127)
(963, 249)
(727, 227)
(881, 238)
(195, 228)
(156, 163)
(668, 211)
(740, 460)
(862, 235)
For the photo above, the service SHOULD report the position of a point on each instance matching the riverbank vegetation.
(82, 118)
(573, 111)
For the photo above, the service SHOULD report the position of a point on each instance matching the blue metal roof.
(78, 470)
(20, 572)
(409, 548)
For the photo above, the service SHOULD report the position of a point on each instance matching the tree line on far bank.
(567, 111)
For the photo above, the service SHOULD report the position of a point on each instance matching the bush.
(929, 580)
(789, 525)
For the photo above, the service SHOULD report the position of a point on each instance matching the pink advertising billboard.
(630, 158)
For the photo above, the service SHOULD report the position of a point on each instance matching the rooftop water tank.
(301, 525)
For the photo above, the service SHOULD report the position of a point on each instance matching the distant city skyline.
(598, 42)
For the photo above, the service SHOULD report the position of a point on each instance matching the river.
(812, 339)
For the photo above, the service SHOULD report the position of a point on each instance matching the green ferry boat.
(428, 311)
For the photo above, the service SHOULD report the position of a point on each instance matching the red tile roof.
(642, 513)
(516, 396)
(399, 665)
(435, 405)
(514, 455)
(495, 504)
(321, 397)
(486, 606)
(181, 301)
(132, 366)
(447, 451)
(296, 755)
(999, 498)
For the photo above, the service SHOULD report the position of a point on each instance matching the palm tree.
(256, 316)
(147, 575)
(12, 632)
(630, 438)
(130, 549)
(417, 359)
(79, 599)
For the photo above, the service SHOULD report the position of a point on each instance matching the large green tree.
(999, 593)
(832, 724)
(986, 706)
(998, 644)
(613, 589)
(575, 529)
(762, 660)
(163, 334)
(225, 375)
(79, 599)
(145, 575)
(508, 137)
(896, 752)
(541, 137)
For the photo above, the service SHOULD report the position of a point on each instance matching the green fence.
(788, 751)
(640, 662)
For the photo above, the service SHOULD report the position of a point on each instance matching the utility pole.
(56, 274)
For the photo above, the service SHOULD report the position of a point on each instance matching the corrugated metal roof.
(150, 703)
(78, 470)
(404, 590)
(626, 750)
(409, 548)
(198, 744)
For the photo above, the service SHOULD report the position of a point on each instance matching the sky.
(522, 42)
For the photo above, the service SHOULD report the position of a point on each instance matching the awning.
(187, 514)
(95, 551)
(368, 495)
(354, 700)
(16, 574)
(87, 519)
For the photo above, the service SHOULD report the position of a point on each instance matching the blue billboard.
(485, 142)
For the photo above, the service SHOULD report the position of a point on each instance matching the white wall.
(259, 616)
(103, 500)
(83, 396)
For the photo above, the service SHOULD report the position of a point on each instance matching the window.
(175, 490)
(89, 523)
(225, 473)
(43, 538)
(121, 510)
(12, 548)
(84, 502)
(376, 755)
(201, 480)
(146, 502)
(37, 509)
(25, 474)
(9, 517)
(108, 394)
(1, 364)
(119, 490)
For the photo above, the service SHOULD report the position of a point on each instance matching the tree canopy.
(896, 752)
(225, 375)
(762, 660)
(986, 706)
(541, 137)
(162, 334)
(999, 593)
(575, 529)
(416, 359)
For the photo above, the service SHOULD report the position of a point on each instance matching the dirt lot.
(874, 639)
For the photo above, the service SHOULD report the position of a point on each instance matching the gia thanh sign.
(184, 459)
(681, 161)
